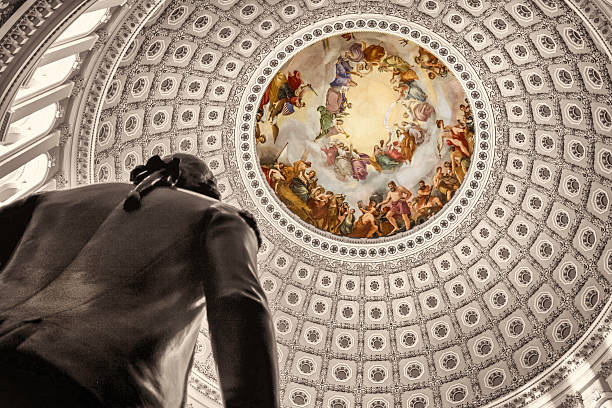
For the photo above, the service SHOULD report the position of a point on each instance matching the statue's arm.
(240, 324)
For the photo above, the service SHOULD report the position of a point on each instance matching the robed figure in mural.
(102, 297)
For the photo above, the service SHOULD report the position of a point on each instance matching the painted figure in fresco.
(344, 72)
(360, 163)
(381, 161)
(341, 156)
(454, 136)
(393, 151)
(337, 129)
(404, 77)
(347, 220)
(285, 189)
(311, 178)
(368, 55)
(287, 104)
(283, 95)
(270, 96)
(365, 227)
(399, 67)
(459, 162)
(281, 87)
(420, 135)
(275, 176)
(448, 182)
(326, 121)
(259, 137)
(467, 115)
(343, 166)
(422, 111)
(435, 192)
(467, 124)
(409, 141)
(431, 63)
(300, 181)
(425, 198)
(336, 102)
(410, 91)
(321, 209)
(333, 211)
(330, 154)
(397, 197)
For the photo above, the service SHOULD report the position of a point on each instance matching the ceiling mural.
(504, 278)
(364, 134)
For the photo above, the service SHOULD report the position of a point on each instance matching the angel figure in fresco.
(430, 63)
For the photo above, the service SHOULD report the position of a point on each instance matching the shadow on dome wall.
(364, 135)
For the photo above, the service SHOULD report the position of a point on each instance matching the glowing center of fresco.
(364, 135)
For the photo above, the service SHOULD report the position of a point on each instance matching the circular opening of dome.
(364, 135)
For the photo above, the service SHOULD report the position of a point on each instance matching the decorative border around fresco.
(401, 244)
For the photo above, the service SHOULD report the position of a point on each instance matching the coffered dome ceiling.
(492, 295)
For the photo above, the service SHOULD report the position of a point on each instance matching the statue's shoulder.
(246, 216)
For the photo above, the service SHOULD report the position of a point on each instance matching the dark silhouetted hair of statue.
(177, 170)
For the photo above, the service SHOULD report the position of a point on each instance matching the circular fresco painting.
(364, 135)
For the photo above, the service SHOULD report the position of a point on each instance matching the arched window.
(26, 129)
(47, 77)
(83, 25)
(24, 180)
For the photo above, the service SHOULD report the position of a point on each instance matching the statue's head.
(177, 170)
